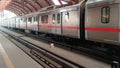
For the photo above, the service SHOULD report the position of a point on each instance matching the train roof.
(51, 9)
(94, 3)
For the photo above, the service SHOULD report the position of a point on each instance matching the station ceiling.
(21, 7)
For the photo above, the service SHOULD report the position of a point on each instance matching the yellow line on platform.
(6, 58)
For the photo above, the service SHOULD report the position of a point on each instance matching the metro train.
(101, 23)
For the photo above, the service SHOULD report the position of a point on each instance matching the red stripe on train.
(103, 29)
(87, 28)
(64, 27)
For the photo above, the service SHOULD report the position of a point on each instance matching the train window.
(30, 19)
(37, 17)
(105, 14)
(53, 18)
(44, 19)
(66, 16)
(58, 18)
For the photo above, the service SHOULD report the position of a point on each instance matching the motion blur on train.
(101, 23)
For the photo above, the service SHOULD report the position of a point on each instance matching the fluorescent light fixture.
(63, 2)
(56, 2)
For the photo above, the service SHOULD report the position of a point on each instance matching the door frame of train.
(82, 12)
(59, 30)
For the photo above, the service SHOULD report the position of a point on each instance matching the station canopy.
(21, 7)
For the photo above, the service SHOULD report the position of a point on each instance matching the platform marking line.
(6, 58)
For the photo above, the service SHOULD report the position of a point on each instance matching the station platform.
(83, 60)
(13, 57)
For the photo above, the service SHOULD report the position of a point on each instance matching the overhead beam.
(15, 6)
(24, 8)
(24, 5)
(36, 1)
(3, 4)
(47, 2)
(15, 9)
(31, 5)
(60, 2)
(17, 12)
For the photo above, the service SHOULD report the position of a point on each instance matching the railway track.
(44, 57)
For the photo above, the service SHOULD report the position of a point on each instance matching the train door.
(59, 23)
(35, 23)
(53, 24)
(70, 23)
(56, 23)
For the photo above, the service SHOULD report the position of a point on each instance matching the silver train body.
(102, 22)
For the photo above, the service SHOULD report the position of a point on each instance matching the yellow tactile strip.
(6, 58)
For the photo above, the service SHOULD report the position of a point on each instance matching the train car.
(32, 22)
(61, 21)
(102, 21)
